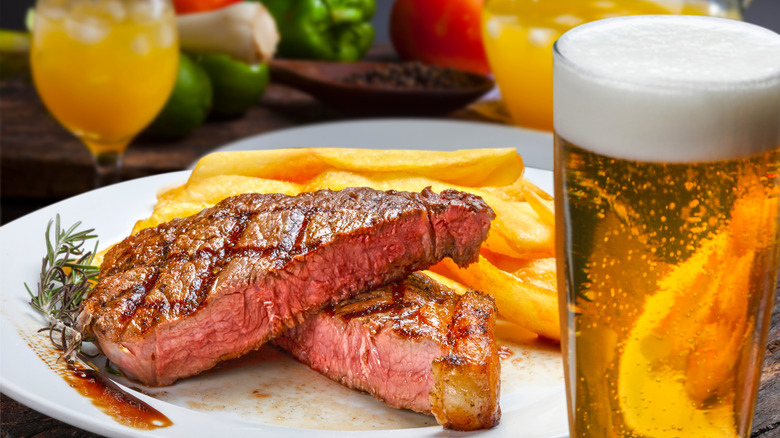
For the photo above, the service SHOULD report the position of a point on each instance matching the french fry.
(195, 196)
(509, 331)
(468, 167)
(166, 213)
(458, 287)
(471, 167)
(517, 191)
(528, 305)
(539, 272)
(340, 179)
(526, 235)
(496, 242)
(544, 208)
(291, 165)
(219, 187)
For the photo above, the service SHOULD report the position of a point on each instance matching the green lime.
(237, 86)
(188, 105)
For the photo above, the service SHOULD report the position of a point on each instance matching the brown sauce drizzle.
(107, 396)
(115, 402)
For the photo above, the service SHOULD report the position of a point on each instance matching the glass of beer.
(667, 183)
(104, 69)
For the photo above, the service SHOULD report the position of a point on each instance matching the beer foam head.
(668, 88)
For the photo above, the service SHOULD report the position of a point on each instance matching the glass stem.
(107, 167)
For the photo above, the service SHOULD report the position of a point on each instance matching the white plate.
(263, 395)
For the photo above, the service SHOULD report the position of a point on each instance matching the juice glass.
(104, 69)
(519, 35)
(667, 190)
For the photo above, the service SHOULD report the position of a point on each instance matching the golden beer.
(668, 201)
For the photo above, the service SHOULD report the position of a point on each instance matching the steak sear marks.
(176, 299)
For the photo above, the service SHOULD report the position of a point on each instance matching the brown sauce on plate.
(107, 396)
(115, 402)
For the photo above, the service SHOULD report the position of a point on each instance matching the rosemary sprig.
(67, 275)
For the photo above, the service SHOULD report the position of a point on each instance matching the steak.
(174, 300)
(413, 344)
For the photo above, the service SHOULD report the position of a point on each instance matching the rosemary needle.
(67, 275)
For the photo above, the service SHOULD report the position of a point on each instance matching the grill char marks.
(413, 344)
(175, 299)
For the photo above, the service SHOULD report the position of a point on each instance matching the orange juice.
(519, 35)
(104, 68)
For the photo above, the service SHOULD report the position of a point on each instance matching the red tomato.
(440, 32)
(188, 6)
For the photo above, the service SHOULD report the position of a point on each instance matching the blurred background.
(762, 12)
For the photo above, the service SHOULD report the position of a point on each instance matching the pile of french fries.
(516, 264)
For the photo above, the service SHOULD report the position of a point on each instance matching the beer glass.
(667, 180)
(104, 69)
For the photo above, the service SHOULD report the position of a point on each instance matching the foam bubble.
(669, 88)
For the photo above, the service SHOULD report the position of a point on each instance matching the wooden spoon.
(324, 81)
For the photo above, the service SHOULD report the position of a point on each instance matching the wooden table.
(41, 163)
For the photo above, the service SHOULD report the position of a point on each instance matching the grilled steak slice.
(413, 344)
(176, 299)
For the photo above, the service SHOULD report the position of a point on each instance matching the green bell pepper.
(328, 30)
